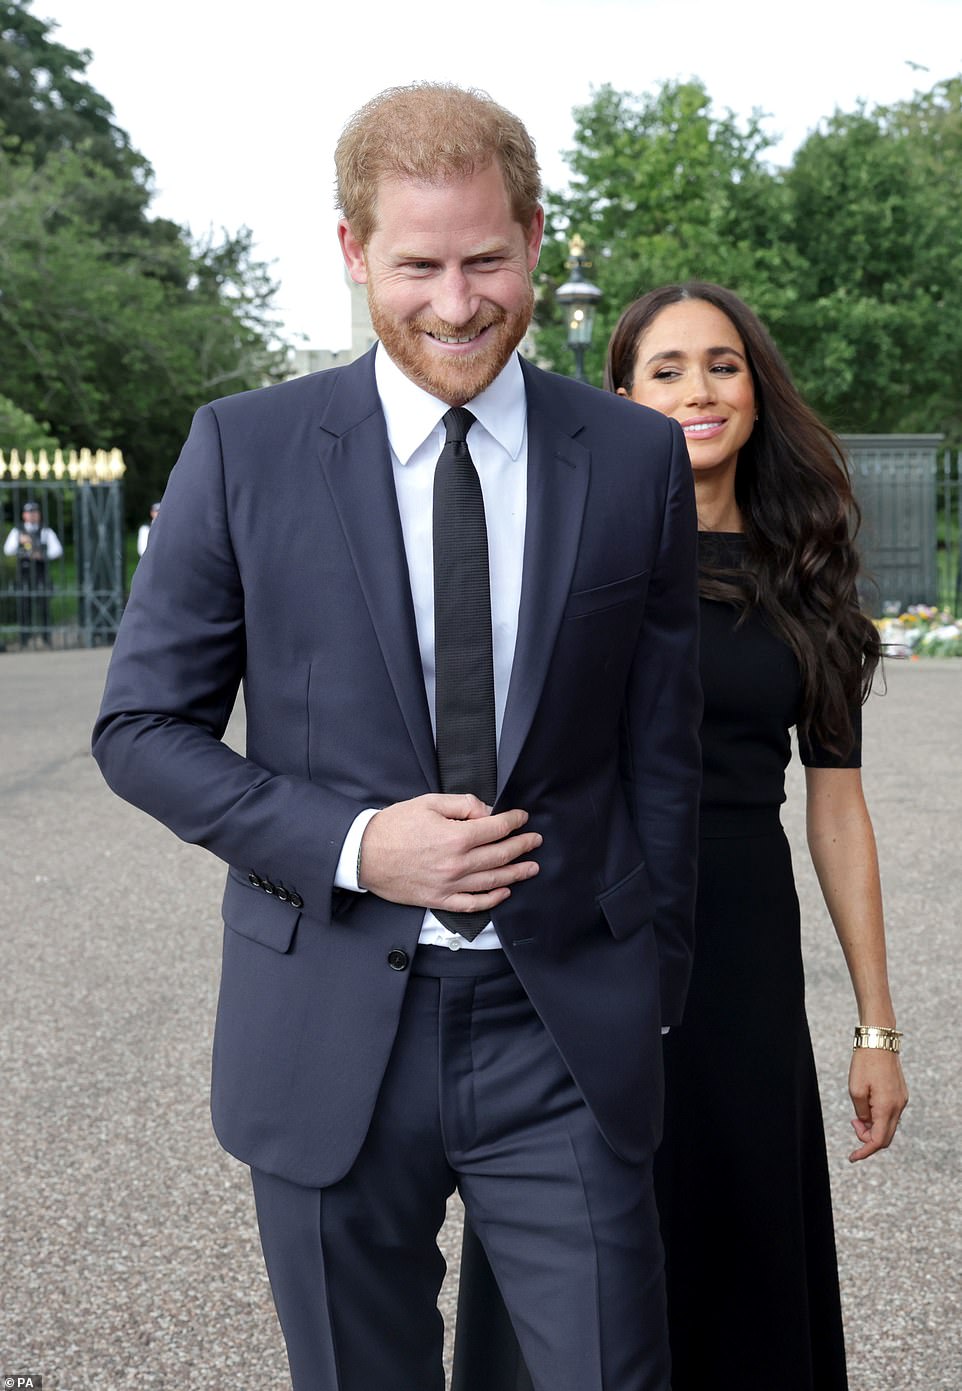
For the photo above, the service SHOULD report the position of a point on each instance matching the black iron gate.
(908, 490)
(908, 487)
(61, 585)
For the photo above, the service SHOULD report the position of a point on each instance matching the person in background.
(32, 537)
(741, 1174)
(143, 532)
(33, 545)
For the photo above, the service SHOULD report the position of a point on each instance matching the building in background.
(305, 360)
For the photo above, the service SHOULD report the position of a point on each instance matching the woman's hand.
(879, 1094)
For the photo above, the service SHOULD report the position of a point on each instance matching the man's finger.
(456, 806)
(473, 903)
(493, 855)
(487, 829)
(486, 881)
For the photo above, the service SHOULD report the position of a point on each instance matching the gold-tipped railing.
(77, 465)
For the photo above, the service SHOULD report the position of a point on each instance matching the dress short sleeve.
(815, 755)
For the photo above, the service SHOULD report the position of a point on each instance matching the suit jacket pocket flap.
(607, 596)
(628, 905)
(258, 915)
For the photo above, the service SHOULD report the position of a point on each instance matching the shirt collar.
(411, 414)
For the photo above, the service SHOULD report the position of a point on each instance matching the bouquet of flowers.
(921, 630)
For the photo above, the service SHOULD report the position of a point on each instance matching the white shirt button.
(455, 943)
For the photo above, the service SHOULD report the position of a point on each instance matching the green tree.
(663, 188)
(114, 339)
(876, 325)
(19, 430)
(46, 102)
(114, 325)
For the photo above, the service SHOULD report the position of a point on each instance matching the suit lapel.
(558, 471)
(356, 459)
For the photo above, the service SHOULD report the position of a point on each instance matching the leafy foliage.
(852, 256)
(877, 329)
(114, 326)
(663, 189)
(46, 103)
(19, 430)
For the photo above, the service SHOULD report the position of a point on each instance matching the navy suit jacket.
(277, 561)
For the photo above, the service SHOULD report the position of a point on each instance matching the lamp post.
(580, 298)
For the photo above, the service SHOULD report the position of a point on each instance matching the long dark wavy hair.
(800, 519)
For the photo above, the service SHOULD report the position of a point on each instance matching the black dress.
(741, 1175)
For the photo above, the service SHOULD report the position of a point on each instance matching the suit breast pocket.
(585, 602)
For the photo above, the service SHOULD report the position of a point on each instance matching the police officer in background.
(143, 532)
(33, 545)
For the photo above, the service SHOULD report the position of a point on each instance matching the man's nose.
(454, 301)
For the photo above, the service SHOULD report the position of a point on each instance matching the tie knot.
(457, 422)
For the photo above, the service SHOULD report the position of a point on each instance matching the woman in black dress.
(742, 1175)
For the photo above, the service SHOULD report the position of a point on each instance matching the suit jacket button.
(282, 893)
(254, 880)
(397, 959)
(267, 886)
(296, 901)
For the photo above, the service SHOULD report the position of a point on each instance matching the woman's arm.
(842, 846)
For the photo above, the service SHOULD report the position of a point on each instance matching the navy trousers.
(476, 1097)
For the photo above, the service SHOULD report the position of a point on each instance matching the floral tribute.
(920, 631)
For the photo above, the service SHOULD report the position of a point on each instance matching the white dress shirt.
(498, 442)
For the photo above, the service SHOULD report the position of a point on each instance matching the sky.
(238, 105)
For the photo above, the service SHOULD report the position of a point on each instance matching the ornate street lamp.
(580, 298)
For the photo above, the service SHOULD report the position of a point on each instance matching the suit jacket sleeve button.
(254, 880)
(397, 959)
(296, 901)
(282, 893)
(268, 887)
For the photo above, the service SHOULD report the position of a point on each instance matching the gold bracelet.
(874, 1036)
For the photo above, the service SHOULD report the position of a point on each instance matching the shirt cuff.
(345, 876)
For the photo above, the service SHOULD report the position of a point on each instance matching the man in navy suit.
(368, 1056)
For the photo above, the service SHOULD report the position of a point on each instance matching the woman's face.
(690, 364)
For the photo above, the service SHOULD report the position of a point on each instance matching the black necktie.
(464, 665)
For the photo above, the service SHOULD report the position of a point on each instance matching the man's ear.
(352, 251)
(533, 237)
